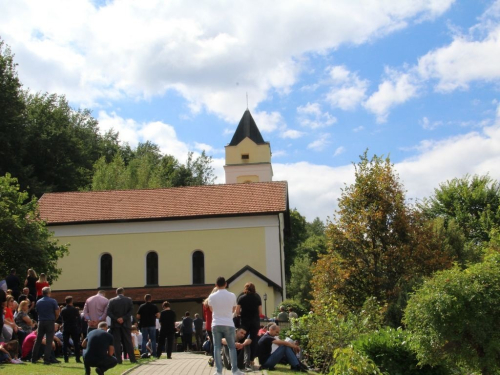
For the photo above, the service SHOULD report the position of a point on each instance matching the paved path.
(180, 364)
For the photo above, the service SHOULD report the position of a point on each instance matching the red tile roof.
(159, 294)
(171, 203)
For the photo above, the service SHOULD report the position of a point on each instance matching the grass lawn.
(62, 368)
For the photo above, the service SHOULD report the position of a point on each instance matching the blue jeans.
(148, 333)
(279, 353)
(229, 334)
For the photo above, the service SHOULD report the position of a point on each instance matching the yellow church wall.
(226, 252)
(257, 153)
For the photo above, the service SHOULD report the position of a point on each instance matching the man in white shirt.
(223, 304)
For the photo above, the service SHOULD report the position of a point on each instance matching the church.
(174, 242)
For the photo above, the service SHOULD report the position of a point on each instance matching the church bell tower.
(248, 156)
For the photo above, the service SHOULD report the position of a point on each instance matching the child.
(136, 340)
(8, 352)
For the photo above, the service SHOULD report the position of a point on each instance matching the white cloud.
(206, 52)
(430, 125)
(320, 143)
(293, 134)
(357, 129)
(396, 89)
(347, 90)
(132, 132)
(311, 116)
(268, 122)
(339, 150)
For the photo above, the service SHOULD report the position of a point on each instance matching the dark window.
(152, 268)
(198, 267)
(245, 156)
(106, 271)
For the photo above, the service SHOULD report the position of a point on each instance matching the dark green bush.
(390, 351)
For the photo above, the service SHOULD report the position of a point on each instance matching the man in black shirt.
(285, 350)
(99, 350)
(3, 299)
(13, 283)
(71, 321)
(146, 315)
(167, 330)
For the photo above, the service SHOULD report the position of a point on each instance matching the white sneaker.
(238, 373)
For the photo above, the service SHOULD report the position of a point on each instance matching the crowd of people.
(33, 327)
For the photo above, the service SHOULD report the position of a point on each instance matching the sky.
(415, 80)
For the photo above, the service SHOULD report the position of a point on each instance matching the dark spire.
(247, 128)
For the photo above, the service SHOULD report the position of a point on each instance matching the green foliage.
(349, 361)
(299, 285)
(297, 307)
(469, 208)
(329, 329)
(390, 350)
(146, 168)
(25, 241)
(376, 241)
(12, 108)
(454, 317)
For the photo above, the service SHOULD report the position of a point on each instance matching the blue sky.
(414, 79)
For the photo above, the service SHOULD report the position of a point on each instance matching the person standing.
(223, 304)
(40, 284)
(95, 310)
(30, 281)
(207, 315)
(71, 320)
(167, 330)
(198, 331)
(13, 284)
(250, 309)
(146, 315)
(120, 312)
(99, 350)
(187, 332)
(48, 311)
(3, 299)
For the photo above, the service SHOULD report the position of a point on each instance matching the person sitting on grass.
(243, 351)
(29, 343)
(269, 359)
(8, 352)
(99, 350)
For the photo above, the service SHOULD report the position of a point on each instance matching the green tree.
(63, 145)
(376, 241)
(25, 241)
(454, 317)
(12, 122)
(299, 288)
(294, 239)
(468, 208)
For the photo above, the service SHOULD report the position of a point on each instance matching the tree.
(376, 242)
(454, 317)
(467, 208)
(12, 108)
(299, 288)
(146, 168)
(25, 241)
(292, 242)
(62, 145)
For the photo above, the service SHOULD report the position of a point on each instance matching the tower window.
(245, 156)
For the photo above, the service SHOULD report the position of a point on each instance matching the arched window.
(198, 267)
(106, 271)
(152, 268)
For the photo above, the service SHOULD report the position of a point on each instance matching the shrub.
(455, 317)
(390, 351)
(351, 362)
